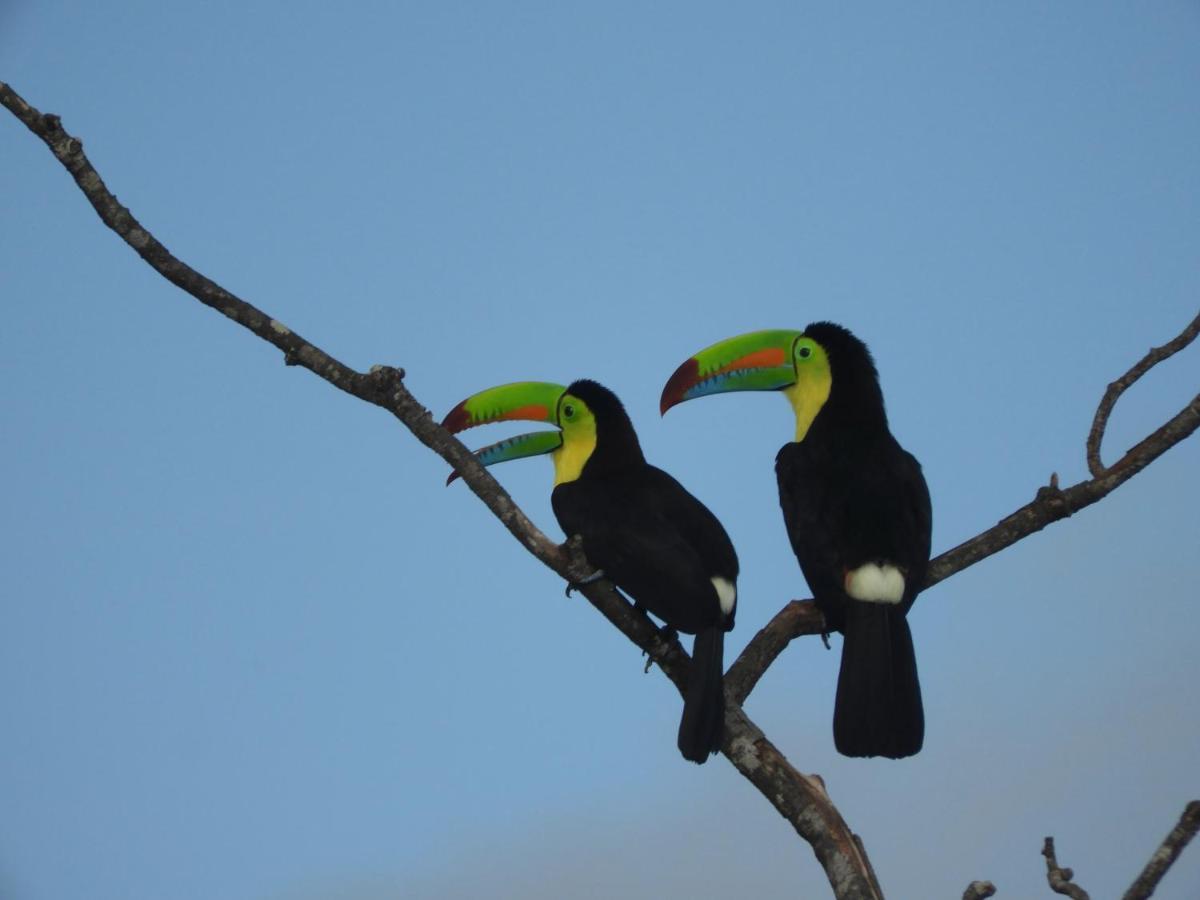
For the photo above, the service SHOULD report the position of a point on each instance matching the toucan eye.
(804, 352)
(568, 411)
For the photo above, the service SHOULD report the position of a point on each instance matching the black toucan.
(639, 526)
(856, 508)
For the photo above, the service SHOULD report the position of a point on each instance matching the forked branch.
(1118, 387)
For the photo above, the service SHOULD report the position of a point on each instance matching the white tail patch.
(875, 584)
(726, 593)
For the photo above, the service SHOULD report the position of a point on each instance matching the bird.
(857, 511)
(639, 527)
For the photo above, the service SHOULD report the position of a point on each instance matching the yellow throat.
(807, 396)
(579, 442)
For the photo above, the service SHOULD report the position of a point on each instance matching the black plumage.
(662, 547)
(851, 495)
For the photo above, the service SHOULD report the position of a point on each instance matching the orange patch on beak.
(458, 419)
(534, 411)
(759, 359)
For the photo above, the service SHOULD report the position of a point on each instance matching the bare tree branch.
(1053, 503)
(382, 386)
(1059, 878)
(1118, 387)
(801, 799)
(1166, 854)
(798, 618)
(979, 890)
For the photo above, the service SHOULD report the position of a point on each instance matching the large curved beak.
(534, 401)
(758, 361)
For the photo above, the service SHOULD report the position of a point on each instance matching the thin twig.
(1060, 878)
(1166, 854)
(1118, 387)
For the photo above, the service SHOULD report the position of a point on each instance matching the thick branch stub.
(1060, 878)
(979, 890)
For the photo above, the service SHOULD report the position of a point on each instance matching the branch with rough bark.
(979, 890)
(799, 798)
(1166, 854)
(1118, 387)
(1060, 878)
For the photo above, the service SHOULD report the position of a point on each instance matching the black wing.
(843, 509)
(917, 522)
(653, 539)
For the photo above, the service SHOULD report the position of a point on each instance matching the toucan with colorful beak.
(857, 512)
(639, 526)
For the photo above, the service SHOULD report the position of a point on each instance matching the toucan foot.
(825, 640)
(667, 635)
(591, 579)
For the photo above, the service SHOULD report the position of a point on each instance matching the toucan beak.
(534, 401)
(758, 361)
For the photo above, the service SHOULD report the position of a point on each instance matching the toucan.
(639, 526)
(857, 512)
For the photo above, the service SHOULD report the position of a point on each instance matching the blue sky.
(252, 647)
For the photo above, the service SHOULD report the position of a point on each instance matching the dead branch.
(798, 618)
(1166, 854)
(979, 890)
(1118, 387)
(1060, 878)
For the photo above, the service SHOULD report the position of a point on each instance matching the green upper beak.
(758, 361)
(534, 401)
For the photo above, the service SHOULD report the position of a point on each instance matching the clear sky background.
(252, 648)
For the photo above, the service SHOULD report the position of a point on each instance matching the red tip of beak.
(677, 385)
(450, 478)
(457, 419)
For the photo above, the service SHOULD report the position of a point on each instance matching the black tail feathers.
(702, 727)
(878, 710)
